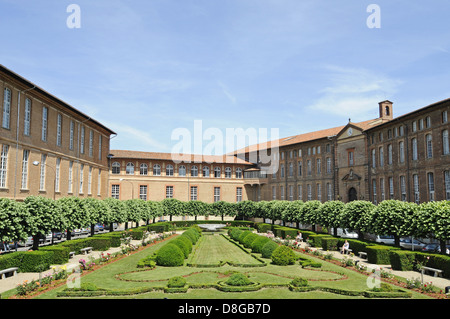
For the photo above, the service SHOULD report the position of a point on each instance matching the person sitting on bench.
(345, 247)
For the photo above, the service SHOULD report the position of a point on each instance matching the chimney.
(386, 110)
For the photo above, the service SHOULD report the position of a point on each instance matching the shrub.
(36, 261)
(258, 243)
(182, 245)
(378, 254)
(235, 233)
(263, 227)
(299, 282)
(148, 261)
(248, 240)
(238, 279)
(268, 248)
(176, 282)
(316, 240)
(243, 235)
(60, 254)
(170, 255)
(283, 256)
(330, 243)
(402, 260)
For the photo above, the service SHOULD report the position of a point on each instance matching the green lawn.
(123, 275)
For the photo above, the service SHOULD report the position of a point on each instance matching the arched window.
(169, 170)
(143, 169)
(238, 172)
(116, 168)
(227, 172)
(130, 169)
(217, 172)
(205, 171)
(182, 170)
(194, 171)
(157, 170)
(387, 110)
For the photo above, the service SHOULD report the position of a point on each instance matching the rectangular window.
(444, 117)
(374, 160)
(414, 126)
(401, 150)
(383, 196)
(319, 166)
(70, 181)
(328, 165)
(329, 192)
(99, 182)
(300, 192)
(274, 192)
(431, 186)
(6, 108)
(282, 171)
(381, 155)
(44, 123)
(447, 184)
(25, 157)
(90, 181)
(309, 191)
(300, 168)
(81, 178)
(291, 169)
(82, 140)
(194, 193)
(403, 187)
(238, 194)
(282, 192)
(143, 192)
(57, 174)
(42, 172)
(389, 154)
(100, 147)
(445, 143)
(115, 191)
(91, 143)
(309, 167)
(374, 191)
(27, 118)
(416, 189)
(414, 149)
(3, 165)
(391, 188)
(351, 160)
(216, 194)
(58, 130)
(319, 192)
(429, 146)
(72, 127)
(291, 192)
(169, 191)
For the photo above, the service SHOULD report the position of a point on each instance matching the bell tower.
(386, 110)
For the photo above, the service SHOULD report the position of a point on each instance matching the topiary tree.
(268, 248)
(329, 214)
(172, 207)
(248, 240)
(292, 212)
(354, 214)
(223, 208)
(44, 216)
(258, 243)
(433, 220)
(74, 213)
(170, 255)
(283, 256)
(99, 212)
(246, 209)
(309, 213)
(14, 219)
(118, 211)
(392, 217)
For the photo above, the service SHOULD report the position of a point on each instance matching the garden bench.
(437, 272)
(71, 254)
(362, 254)
(12, 270)
(347, 251)
(86, 250)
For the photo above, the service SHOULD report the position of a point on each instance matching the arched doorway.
(352, 195)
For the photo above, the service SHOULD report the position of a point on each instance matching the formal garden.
(239, 261)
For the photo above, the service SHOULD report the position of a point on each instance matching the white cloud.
(353, 92)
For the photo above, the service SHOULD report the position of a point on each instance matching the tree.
(74, 212)
(292, 210)
(246, 209)
(136, 210)
(99, 212)
(353, 215)
(309, 213)
(393, 217)
(172, 207)
(433, 219)
(223, 208)
(118, 211)
(195, 208)
(45, 216)
(329, 214)
(14, 219)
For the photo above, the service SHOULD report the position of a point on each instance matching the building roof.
(308, 137)
(186, 158)
(36, 88)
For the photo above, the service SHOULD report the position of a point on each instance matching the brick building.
(405, 158)
(48, 147)
(156, 176)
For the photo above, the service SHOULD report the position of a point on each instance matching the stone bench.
(86, 250)
(437, 272)
(12, 270)
(362, 254)
(71, 254)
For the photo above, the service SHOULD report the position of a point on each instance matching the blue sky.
(146, 68)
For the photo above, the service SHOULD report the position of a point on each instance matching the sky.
(153, 68)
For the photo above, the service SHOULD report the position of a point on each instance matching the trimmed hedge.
(402, 260)
(60, 254)
(378, 254)
(357, 245)
(170, 255)
(316, 240)
(330, 243)
(258, 243)
(248, 240)
(263, 227)
(268, 248)
(283, 256)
